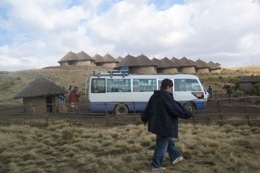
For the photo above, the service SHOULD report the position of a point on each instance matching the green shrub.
(238, 93)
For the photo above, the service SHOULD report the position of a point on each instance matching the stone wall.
(35, 105)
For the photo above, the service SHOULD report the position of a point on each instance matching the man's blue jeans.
(162, 144)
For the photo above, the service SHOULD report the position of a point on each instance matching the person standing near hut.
(210, 92)
(74, 99)
(162, 113)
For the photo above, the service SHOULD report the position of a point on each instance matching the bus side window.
(144, 85)
(114, 89)
(98, 86)
(179, 85)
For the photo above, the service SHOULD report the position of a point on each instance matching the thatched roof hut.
(145, 65)
(98, 59)
(85, 59)
(157, 62)
(109, 58)
(176, 61)
(128, 61)
(119, 59)
(214, 68)
(80, 58)
(69, 59)
(187, 66)
(105, 61)
(138, 65)
(41, 96)
(202, 66)
(166, 66)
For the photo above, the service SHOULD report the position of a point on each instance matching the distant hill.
(13, 82)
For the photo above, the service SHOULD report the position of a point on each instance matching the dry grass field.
(61, 148)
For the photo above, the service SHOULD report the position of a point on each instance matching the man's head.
(167, 85)
(75, 88)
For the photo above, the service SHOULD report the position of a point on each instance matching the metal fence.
(245, 109)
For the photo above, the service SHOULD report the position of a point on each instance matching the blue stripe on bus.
(103, 106)
(200, 105)
(133, 106)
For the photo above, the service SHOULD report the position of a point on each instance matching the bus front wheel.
(121, 109)
(190, 107)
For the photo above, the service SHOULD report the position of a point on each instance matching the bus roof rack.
(112, 73)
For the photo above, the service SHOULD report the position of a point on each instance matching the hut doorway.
(49, 103)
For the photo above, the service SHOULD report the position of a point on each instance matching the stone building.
(246, 83)
(41, 96)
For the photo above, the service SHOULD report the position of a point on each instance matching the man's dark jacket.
(162, 113)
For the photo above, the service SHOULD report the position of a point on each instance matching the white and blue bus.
(121, 93)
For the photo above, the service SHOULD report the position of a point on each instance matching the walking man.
(162, 113)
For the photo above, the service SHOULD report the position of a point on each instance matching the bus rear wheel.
(121, 109)
(189, 106)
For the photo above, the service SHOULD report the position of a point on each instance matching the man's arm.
(174, 108)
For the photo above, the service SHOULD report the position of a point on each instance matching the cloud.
(33, 30)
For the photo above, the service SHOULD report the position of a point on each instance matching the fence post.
(134, 107)
(106, 109)
(247, 115)
(107, 120)
(47, 120)
(220, 114)
(117, 119)
(93, 121)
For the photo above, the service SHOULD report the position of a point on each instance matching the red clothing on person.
(74, 96)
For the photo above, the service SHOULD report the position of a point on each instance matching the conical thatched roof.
(202, 64)
(98, 58)
(84, 56)
(70, 56)
(213, 66)
(167, 63)
(40, 87)
(109, 58)
(145, 61)
(185, 62)
(128, 61)
(176, 61)
(119, 59)
(157, 62)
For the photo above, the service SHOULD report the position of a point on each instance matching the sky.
(36, 33)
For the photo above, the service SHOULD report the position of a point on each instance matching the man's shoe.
(177, 160)
(158, 169)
